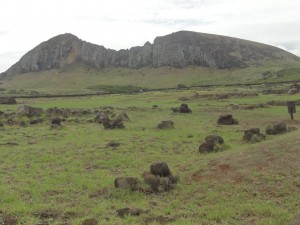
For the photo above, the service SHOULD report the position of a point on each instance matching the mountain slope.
(179, 49)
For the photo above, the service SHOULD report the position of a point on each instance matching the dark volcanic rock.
(227, 120)
(179, 49)
(213, 143)
(206, 147)
(126, 183)
(253, 135)
(160, 169)
(276, 128)
(184, 108)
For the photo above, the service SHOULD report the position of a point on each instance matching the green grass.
(84, 79)
(70, 171)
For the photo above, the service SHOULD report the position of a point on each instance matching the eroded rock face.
(178, 49)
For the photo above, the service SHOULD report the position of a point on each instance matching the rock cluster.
(103, 118)
(159, 179)
(184, 108)
(277, 128)
(253, 135)
(212, 144)
(227, 120)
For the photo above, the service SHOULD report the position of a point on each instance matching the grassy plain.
(81, 79)
(64, 176)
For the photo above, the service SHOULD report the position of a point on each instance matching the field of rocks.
(226, 155)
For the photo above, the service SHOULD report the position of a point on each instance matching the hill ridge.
(179, 49)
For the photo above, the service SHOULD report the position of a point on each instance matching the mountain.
(179, 50)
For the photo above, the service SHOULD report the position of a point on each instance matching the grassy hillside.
(84, 79)
(66, 175)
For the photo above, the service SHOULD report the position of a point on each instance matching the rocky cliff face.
(178, 49)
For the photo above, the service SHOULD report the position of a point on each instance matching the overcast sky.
(118, 24)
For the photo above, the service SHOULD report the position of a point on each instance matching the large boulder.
(153, 181)
(213, 143)
(207, 147)
(126, 183)
(227, 120)
(160, 169)
(253, 135)
(160, 178)
(214, 139)
(184, 108)
(277, 128)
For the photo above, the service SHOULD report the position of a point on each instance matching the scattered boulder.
(227, 120)
(117, 123)
(153, 181)
(207, 147)
(111, 124)
(160, 178)
(29, 111)
(126, 183)
(184, 108)
(212, 144)
(8, 100)
(214, 139)
(253, 135)
(160, 169)
(277, 128)
(102, 117)
(166, 124)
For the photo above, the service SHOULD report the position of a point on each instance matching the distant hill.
(180, 49)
